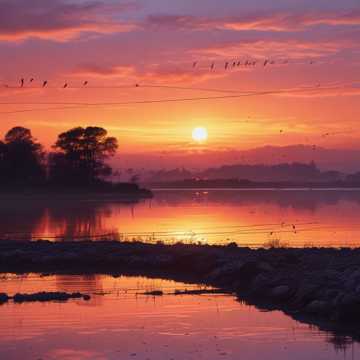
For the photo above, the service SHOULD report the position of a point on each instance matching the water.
(248, 217)
(120, 323)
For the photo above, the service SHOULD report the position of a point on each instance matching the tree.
(80, 157)
(22, 158)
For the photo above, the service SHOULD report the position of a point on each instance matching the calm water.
(248, 217)
(120, 323)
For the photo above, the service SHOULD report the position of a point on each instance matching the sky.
(150, 81)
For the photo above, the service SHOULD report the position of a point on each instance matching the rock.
(281, 292)
(264, 266)
(154, 293)
(48, 296)
(3, 298)
(306, 293)
(317, 307)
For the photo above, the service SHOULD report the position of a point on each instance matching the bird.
(234, 64)
(65, 86)
(137, 85)
(22, 82)
(44, 83)
(85, 83)
(31, 80)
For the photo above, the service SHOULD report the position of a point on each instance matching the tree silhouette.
(80, 157)
(21, 158)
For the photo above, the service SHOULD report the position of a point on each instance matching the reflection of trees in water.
(82, 219)
(308, 200)
(20, 217)
(83, 283)
(28, 217)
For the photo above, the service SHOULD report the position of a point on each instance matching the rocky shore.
(319, 286)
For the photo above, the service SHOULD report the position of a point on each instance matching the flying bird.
(44, 83)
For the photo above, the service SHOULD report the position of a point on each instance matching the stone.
(281, 292)
(317, 307)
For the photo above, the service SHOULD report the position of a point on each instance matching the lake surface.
(248, 217)
(121, 323)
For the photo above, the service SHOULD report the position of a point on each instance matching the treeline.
(78, 158)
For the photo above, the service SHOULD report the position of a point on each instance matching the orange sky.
(115, 45)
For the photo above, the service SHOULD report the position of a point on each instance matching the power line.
(160, 101)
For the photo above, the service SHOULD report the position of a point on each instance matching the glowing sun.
(200, 134)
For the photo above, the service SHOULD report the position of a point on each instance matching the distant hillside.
(295, 172)
(343, 160)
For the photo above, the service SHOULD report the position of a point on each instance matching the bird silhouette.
(31, 80)
(137, 85)
(44, 83)
(85, 83)
(234, 64)
(22, 82)
(65, 86)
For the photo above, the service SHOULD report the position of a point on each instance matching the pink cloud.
(287, 48)
(278, 21)
(159, 74)
(59, 20)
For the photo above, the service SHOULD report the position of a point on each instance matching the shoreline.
(320, 287)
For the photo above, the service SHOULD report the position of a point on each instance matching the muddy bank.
(42, 297)
(319, 286)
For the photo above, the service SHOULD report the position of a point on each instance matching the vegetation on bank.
(78, 161)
